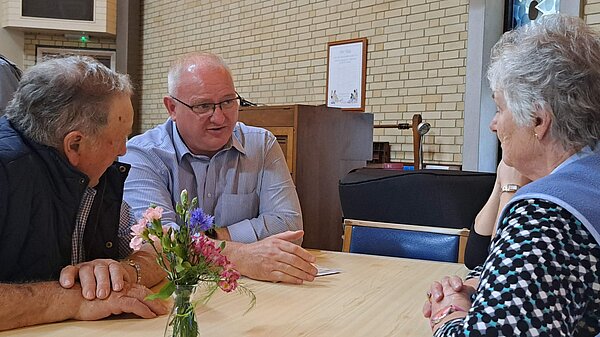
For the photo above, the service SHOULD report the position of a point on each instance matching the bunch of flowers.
(187, 255)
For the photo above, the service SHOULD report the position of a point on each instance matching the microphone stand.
(419, 130)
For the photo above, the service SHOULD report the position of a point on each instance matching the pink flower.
(139, 227)
(136, 243)
(154, 238)
(137, 231)
(153, 213)
(230, 274)
(227, 286)
(219, 259)
(202, 245)
(183, 250)
(229, 279)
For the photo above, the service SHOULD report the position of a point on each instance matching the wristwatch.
(510, 188)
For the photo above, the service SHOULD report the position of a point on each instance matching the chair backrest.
(426, 197)
(409, 241)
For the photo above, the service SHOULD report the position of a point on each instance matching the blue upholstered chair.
(422, 214)
(410, 241)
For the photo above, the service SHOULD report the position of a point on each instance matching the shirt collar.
(181, 149)
(584, 152)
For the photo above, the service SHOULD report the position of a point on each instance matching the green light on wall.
(82, 38)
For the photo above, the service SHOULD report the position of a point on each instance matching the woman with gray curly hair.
(542, 275)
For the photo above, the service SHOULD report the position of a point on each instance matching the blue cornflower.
(200, 221)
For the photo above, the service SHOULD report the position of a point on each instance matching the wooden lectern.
(321, 145)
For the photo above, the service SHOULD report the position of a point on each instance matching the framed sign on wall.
(108, 57)
(346, 74)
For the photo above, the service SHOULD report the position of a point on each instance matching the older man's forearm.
(35, 303)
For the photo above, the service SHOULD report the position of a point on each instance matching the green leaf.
(177, 264)
(164, 292)
(165, 241)
(157, 225)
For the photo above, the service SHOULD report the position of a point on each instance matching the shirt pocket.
(233, 208)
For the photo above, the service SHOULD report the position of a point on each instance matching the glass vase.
(182, 320)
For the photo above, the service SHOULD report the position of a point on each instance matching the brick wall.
(277, 52)
(592, 13)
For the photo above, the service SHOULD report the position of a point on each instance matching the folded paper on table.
(322, 271)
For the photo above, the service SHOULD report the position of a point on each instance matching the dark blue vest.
(40, 193)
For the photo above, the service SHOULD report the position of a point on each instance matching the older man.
(61, 209)
(238, 172)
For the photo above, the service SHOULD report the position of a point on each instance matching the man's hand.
(96, 277)
(274, 258)
(129, 300)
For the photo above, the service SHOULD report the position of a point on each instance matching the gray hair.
(61, 95)
(195, 58)
(552, 65)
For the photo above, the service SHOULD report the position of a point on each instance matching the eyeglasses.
(206, 109)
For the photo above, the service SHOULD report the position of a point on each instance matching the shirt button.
(109, 244)
(209, 195)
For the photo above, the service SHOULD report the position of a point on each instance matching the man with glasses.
(238, 172)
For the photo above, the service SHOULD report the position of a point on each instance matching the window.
(59, 9)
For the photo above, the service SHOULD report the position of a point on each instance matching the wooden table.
(372, 296)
